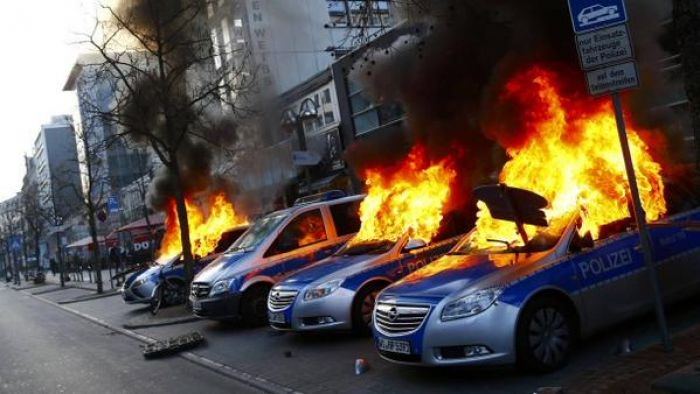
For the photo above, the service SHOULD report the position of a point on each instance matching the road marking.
(228, 371)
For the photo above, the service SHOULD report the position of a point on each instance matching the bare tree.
(35, 217)
(175, 91)
(94, 187)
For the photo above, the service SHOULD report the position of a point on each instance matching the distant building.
(118, 164)
(54, 167)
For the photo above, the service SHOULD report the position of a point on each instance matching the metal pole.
(60, 258)
(302, 147)
(644, 236)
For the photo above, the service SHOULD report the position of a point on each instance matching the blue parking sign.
(588, 15)
(113, 204)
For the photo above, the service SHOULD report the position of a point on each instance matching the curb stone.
(254, 381)
(166, 322)
(89, 297)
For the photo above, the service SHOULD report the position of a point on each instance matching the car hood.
(334, 267)
(147, 273)
(450, 274)
(223, 267)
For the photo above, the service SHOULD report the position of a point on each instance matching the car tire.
(363, 306)
(156, 302)
(173, 293)
(546, 333)
(254, 306)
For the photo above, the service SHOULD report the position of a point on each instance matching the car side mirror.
(414, 244)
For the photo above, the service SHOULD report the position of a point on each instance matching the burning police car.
(163, 283)
(497, 304)
(338, 293)
(236, 285)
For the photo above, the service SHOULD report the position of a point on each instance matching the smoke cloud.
(448, 74)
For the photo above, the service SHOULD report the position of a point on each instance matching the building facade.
(54, 167)
(289, 47)
(117, 165)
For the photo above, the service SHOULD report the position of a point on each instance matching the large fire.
(410, 198)
(205, 229)
(572, 157)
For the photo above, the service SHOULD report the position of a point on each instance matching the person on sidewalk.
(52, 266)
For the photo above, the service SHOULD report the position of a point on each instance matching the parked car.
(163, 283)
(529, 304)
(235, 286)
(338, 293)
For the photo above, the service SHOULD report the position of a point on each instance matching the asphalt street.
(46, 350)
(305, 363)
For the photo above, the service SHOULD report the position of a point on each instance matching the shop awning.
(87, 241)
(157, 220)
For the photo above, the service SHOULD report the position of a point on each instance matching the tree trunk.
(151, 238)
(184, 227)
(686, 25)
(95, 251)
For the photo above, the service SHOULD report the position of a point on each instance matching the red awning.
(87, 241)
(157, 220)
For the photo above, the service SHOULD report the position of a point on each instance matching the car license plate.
(276, 317)
(196, 305)
(394, 346)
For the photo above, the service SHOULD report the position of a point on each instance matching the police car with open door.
(529, 304)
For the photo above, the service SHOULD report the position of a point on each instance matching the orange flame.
(572, 157)
(410, 198)
(205, 230)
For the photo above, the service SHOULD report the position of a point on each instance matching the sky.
(38, 44)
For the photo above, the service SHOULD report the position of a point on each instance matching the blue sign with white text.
(588, 15)
(113, 204)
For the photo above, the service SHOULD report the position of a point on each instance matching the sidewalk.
(638, 371)
(87, 285)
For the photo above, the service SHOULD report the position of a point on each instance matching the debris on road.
(361, 366)
(173, 345)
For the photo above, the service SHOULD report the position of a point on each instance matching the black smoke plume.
(448, 71)
(183, 123)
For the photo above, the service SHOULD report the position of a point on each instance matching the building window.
(357, 13)
(210, 10)
(366, 115)
(226, 36)
(337, 10)
(217, 49)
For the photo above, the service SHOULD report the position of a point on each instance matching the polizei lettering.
(603, 264)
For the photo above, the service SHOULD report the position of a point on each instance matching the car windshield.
(368, 247)
(258, 232)
(545, 239)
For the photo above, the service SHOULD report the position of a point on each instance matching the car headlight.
(322, 290)
(138, 282)
(221, 286)
(470, 305)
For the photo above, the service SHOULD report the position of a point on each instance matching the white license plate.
(276, 317)
(394, 346)
(196, 304)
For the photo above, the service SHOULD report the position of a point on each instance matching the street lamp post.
(308, 109)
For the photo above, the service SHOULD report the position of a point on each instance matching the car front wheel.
(545, 335)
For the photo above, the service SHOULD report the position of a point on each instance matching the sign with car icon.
(588, 15)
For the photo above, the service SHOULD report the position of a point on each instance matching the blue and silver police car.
(529, 304)
(338, 293)
(236, 285)
(163, 283)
